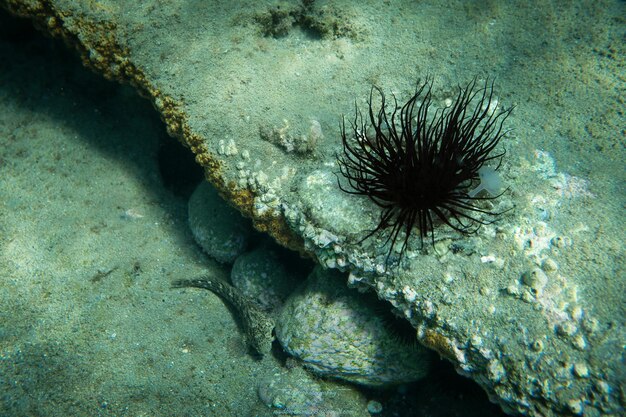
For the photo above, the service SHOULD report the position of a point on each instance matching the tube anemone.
(421, 170)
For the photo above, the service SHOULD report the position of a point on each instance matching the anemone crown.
(420, 170)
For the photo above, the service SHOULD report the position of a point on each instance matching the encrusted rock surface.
(531, 308)
(294, 392)
(338, 334)
(266, 277)
(217, 227)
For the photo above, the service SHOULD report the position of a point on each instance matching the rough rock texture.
(531, 308)
(338, 334)
(217, 227)
(294, 392)
(266, 277)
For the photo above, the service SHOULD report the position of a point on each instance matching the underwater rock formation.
(339, 333)
(265, 277)
(217, 227)
(531, 308)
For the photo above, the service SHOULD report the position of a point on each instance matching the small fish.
(257, 325)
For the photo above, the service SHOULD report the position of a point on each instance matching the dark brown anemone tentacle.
(418, 168)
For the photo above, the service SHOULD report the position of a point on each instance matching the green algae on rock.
(337, 334)
(295, 392)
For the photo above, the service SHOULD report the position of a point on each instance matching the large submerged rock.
(338, 334)
(532, 308)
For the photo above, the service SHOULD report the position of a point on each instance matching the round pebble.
(336, 333)
(218, 228)
(268, 275)
(374, 407)
(295, 392)
(290, 395)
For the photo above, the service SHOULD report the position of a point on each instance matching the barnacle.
(420, 170)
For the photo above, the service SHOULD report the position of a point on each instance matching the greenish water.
(93, 212)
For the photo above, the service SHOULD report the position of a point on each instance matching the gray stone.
(467, 298)
(220, 229)
(337, 334)
(264, 277)
(295, 392)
